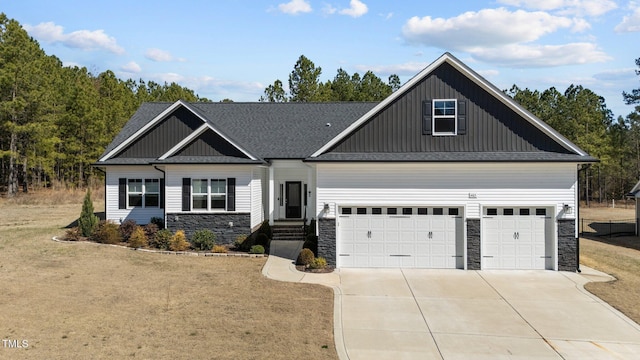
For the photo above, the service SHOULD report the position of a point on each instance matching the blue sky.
(234, 49)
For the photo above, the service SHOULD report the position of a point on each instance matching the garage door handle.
(401, 255)
(430, 234)
(488, 256)
(344, 254)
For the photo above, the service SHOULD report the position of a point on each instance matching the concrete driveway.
(457, 314)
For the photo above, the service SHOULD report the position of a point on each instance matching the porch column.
(271, 194)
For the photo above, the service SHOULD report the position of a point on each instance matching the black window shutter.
(161, 193)
(426, 118)
(462, 117)
(186, 194)
(122, 193)
(231, 194)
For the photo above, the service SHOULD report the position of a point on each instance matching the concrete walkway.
(455, 314)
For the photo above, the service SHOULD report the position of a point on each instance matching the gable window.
(209, 194)
(143, 193)
(444, 117)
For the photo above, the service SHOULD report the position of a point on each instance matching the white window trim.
(208, 195)
(143, 193)
(434, 117)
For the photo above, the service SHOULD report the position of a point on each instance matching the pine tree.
(88, 220)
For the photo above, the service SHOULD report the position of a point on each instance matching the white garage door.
(400, 237)
(516, 238)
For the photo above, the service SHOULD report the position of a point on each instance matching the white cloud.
(489, 73)
(161, 55)
(131, 67)
(356, 9)
(516, 55)
(328, 9)
(567, 7)
(51, 33)
(580, 25)
(295, 7)
(630, 23)
(485, 28)
(615, 74)
(409, 68)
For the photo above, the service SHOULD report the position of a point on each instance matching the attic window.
(444, 117)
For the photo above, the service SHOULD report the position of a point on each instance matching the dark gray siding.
(162, 137)
(210, 144)
(491, 125)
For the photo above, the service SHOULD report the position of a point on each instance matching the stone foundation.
(474, 248)
(216, 222)
(327, 240)
(567, 246)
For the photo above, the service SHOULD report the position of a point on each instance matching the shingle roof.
(269, 130)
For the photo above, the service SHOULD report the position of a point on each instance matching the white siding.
(470, 185)
(140, 215)
(175, 173)
(257, 205)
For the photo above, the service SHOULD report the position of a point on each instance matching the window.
(376, 211)
(392, 211)
(453, 211)
(507, 212)
(444, 117)
(407, 211)
(143, 193)
(492, 211)
(541, 212)
(209, 194)
(423, 211)
(438, 211)
(346, 211)
(361, 211)
(524, 212)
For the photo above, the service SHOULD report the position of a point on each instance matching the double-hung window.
(209, 194)
(444, 117)
(143, 193)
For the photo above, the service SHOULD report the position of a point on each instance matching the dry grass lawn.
(618, 256)
(89, 301)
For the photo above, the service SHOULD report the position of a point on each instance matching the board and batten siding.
(472, 185)
(175, 174)
(140, 215)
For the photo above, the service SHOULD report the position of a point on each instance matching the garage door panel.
(400, 237)
(516, 240)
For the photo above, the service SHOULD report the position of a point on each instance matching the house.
(447, 172)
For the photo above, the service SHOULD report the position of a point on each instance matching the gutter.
(164, 194)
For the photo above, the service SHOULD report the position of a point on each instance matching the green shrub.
(265, 228)
(88, 221)
(311, 243)
(179, 242)
(127, 228)
(262, 240)
(239, 240)
(318, 263)
(203, 240)
(220, 249)
(138, 238)
(107, 232)
(158, 221)
(73, 234)
(150, 230)
(161, 239)
(305, 257)
(256, 249)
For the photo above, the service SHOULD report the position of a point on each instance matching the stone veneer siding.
(216, 222)
(567, 246)
(327, 240)
(473, 244)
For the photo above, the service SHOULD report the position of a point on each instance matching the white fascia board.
(185, 141)
(144, 129)
(475, 77)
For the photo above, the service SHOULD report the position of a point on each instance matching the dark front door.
(293, 200)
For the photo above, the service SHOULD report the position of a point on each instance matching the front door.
(293, 200)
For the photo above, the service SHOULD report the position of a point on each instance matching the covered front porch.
(291, 192)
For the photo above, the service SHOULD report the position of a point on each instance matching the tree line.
(55, 120)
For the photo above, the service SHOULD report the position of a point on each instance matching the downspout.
(164, 194)
(583, 167)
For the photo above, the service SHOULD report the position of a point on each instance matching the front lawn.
(86, 300)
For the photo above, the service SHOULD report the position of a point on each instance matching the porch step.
(288, 232)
